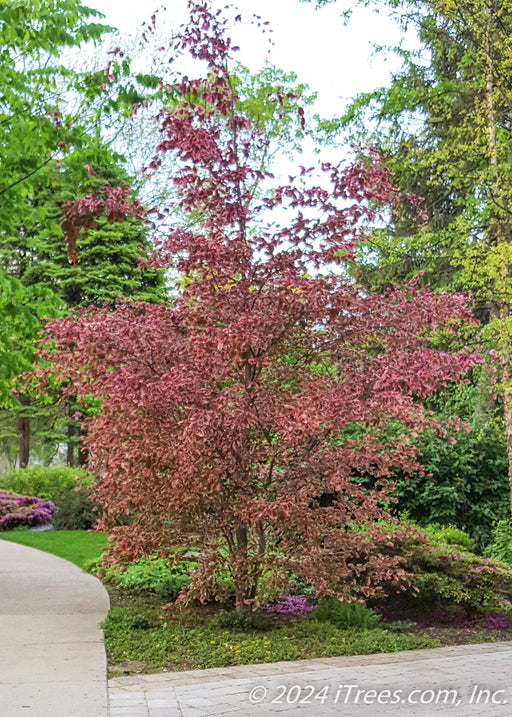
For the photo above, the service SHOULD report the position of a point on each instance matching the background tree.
(444, 126)
(227, 415)
(22, 310)
(107, 271)
(50, 119)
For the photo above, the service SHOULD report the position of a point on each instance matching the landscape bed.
(143, 637)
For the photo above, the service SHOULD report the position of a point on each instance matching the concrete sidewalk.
(457, 681)
(52, 658)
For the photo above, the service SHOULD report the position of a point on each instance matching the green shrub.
(346, 615)
(445, 578)
(449, 535)
(76, 510)
(465, 484)
(47, 482)
(500, 547)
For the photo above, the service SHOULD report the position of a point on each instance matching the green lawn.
(78, 546)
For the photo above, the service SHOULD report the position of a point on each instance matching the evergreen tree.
(108, 256)
(444, 125)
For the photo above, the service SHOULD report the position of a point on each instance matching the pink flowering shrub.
(17, 510)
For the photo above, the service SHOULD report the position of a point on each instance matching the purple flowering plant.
(18, 510)
(292, 605)
(498, 621)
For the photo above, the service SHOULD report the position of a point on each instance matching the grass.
(78, 546)
(146, 640)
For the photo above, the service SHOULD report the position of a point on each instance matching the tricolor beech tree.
(270, 382)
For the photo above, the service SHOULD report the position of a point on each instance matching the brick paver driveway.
(459, 681)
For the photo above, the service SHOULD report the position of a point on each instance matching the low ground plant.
(152, 575)
(163, 577)
(347, 615)
(147, 640)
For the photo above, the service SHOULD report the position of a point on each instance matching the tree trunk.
(70, 453)
(23, 433)
(507, 409)
(245, 568)
(240, 572)
(502, 312)
(500, 230)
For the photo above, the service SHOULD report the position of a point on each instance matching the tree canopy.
(270, 380)
(51, 150)
(443, 125)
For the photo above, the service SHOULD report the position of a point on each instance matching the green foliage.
(244, 621)
(51, 151)
(131, 618)
(464, 485)
(449, 535)
(500, 547)
(21, 311)
(108, 255)
(153, 575)
(78, 546)
(37, 84)
(186, 642)
(76, 510)
(346, 615)
(444, 578)
(442, 127)
(48, 482)
(270, 99)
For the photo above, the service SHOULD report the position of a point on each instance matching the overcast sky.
(331, 58)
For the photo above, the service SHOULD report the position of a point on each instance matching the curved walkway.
(52, 658)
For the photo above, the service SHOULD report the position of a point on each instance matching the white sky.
(330, 57)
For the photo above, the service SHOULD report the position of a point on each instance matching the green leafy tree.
(51, 150)
(35, 134)
(444, 125)
(35, 128)
(22, 310)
